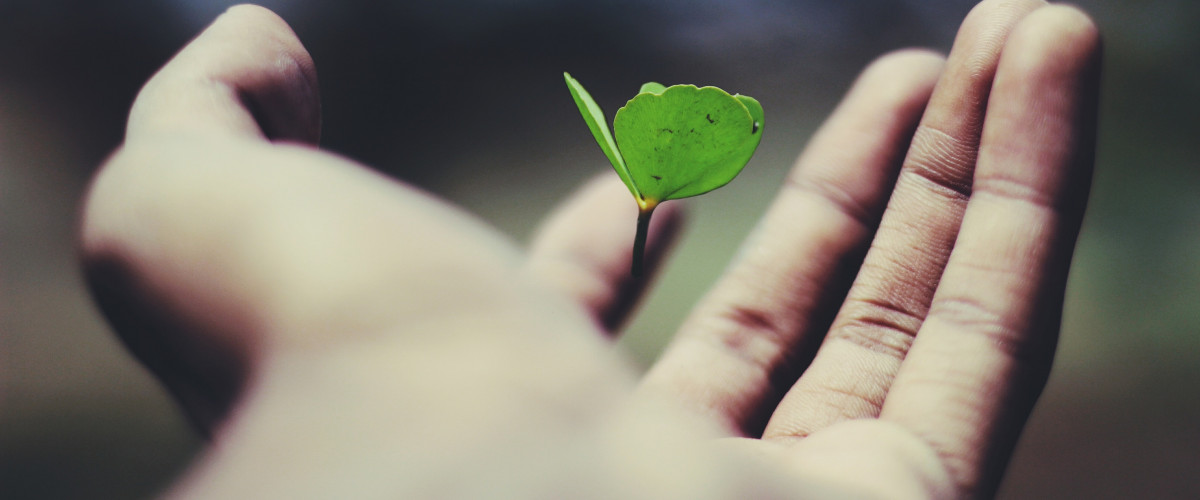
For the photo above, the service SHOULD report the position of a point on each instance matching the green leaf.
(652, 87)
(686, 141)
(594, 117)
(673, 142)
(752, 105)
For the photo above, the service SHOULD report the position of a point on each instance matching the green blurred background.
(465, 98)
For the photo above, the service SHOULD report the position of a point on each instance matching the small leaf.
(673, 142)
(594, 117)
(686, 141)
(755, 109)
(652, 87)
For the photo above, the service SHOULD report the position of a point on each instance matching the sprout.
(673, 142)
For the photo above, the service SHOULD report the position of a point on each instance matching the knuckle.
(943, 160)
(974, 316)
(752, 334)
(1007, 187)
(854, 399)
(879, 326)
(965, 311)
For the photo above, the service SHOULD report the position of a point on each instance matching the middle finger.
(861, 355)
(740, 349)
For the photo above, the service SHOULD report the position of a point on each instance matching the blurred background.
(466, 99)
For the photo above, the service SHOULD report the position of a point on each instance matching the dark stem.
(639, 242)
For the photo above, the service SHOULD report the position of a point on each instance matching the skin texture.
(340, 334)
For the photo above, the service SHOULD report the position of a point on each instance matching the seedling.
(673, 142)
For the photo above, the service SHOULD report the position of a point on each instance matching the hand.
(884, 334)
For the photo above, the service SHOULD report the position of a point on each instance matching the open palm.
(884, 333)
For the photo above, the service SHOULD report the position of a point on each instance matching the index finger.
(246, 75)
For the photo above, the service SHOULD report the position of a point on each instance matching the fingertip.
(1059, 36)
(256, 21)
(919, 62)
(249, 10)
(988, 15)
(266, 25)
(286, 90)
(245, 75)
(983, 35)
(903, 78)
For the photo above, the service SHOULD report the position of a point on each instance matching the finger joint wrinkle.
(879, 325)
(1008, 188)
(943, 160)
(751, 334)
(971, 315)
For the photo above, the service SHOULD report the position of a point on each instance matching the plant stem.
(639, 241)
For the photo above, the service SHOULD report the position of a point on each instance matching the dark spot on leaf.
(657, 177)
(709, 118)
(667, 130)
(692, 131)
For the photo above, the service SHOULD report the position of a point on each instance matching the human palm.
(884, 333)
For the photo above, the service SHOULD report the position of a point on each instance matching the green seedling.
(673, 142)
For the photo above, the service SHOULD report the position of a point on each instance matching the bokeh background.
(465, 98)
